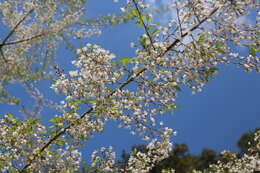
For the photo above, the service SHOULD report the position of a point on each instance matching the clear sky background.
(227, 107)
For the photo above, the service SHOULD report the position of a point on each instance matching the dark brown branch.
(11, 33)
(23, 40)
(2, 54)
(144, 25)
(15, 27)
(192, 29)
(120, 87)
(178, 17)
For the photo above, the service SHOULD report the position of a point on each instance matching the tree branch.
(23, 40)
(192, 29)
(15, 27)
(144, 25)
(178, 17)
(12, 32)
(120, 87)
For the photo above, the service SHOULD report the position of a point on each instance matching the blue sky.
(215, 118)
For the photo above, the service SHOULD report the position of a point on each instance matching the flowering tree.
(230, 162)
(184, 53)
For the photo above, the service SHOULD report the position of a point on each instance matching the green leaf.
(84, 137)
(220, 50)
(9, 115)
(170, 108)
(55, 131)
(125, 60)
(177, 88)
(202, 38)
(155, 32)
(176, 107)
(252, 52)
(139, 23)
(135, 13)
(51, 127)
(134, 152)
(213, 69)
(151, 26)
(75, 102)
(166, 170)
(60, 142)
(158, 24)
(115, 108)
(32, 121)
(219, 45)
(142, 18)
(91, 100)
(52, 119)
(148, 18)
(14, 100)
(56, 120)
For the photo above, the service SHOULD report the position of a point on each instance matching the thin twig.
(178, 17)
(144, 25)
(11, 33)
(192, 29)
(2, 54)
(15, 27)
(24, 40)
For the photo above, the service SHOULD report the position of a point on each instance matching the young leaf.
(213, 69)
(219, 45)
(125, 60)
(135, 13)
(155, 32)
(252, 52)
(202, 38)
(177, 88)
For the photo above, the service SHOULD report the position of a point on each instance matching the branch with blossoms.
(14, 28)
(34, 33)
(129, 80)
(12, 32)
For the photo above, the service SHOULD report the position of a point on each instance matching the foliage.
(246, 141)
(184, 53)
(182, 161)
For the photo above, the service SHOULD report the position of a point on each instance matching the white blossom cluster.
(82, 128)
(200, 45)
(105, 161)
(95, 74)
(157, 151)
(19, 140)
(134, 109)
(32, 32)
(34, 22)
